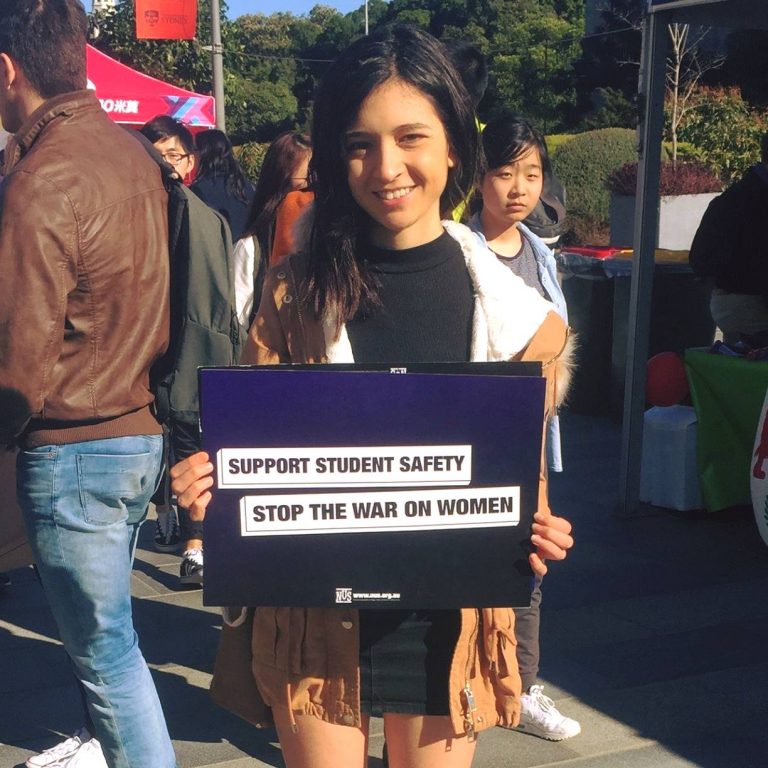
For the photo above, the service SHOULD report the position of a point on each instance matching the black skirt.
(405, 660)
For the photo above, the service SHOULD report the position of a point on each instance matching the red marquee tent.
(130, 97)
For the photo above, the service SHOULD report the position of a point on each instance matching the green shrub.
(251, 156)
(725, 131)
(584, 163)
(556, 140)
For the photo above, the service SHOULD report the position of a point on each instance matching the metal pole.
(217, 64)
(652, 72)
(366, 17)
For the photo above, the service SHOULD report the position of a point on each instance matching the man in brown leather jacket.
(83, 315)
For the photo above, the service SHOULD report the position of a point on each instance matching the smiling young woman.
(380, 277)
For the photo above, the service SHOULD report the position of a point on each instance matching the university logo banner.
(369, 488)
(166, 19)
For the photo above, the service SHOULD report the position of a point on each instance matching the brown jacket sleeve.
(552, 346)
(285, 329)
(266, 343)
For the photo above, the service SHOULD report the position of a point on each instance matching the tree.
(273, 63)
(686, 65)
(609, 64)
(531, 56)
(725, 130)
(261, 75)
(183, 62)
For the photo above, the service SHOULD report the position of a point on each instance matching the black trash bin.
(589, 296)
(597, 292)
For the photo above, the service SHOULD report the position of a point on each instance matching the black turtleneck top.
(426, 305)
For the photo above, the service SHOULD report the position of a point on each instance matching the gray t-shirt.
(523, 264)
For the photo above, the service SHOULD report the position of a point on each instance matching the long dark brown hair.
(215, 157)
(336, 281)
(281, 160)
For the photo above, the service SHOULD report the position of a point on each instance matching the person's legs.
(88, 724)
(425, 741)
(317, 744)
(83, 505)
(185, 440)
(539, 715)
(527, 622)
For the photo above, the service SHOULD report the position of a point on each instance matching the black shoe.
(4, 581)
(167, 531)
(191, 571)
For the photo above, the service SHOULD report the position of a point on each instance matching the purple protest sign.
(369, 489)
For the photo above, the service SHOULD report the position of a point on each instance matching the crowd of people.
(346, 248)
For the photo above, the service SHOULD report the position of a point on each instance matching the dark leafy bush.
(584, 230)
(251, 156)
(584, 163)
(680, 179)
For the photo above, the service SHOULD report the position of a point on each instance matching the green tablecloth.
(728, 394)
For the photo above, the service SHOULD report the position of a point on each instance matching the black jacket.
(730, 245)
(215, 192)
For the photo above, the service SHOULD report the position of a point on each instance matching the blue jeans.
(83, 504)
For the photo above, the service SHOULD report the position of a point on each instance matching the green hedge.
(251, 156)
(556, 140)
(584, 163)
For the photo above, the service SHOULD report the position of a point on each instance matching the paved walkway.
(654, 634)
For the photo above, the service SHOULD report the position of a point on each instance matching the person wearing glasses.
(173, 140)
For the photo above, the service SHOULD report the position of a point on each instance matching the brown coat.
(84, 298)
(305, 660)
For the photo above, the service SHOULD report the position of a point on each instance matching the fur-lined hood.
(507, 314)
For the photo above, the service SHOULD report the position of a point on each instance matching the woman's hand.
(552, 539)
(190, 481)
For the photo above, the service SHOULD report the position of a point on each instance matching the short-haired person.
(729, 249)
(83, 253)
(175, 143)
(383, 277)
(517, 167)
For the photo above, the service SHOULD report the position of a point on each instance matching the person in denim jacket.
(516, 172)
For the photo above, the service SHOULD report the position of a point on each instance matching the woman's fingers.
(537, 564)
(551, 536)
(552, 539)
(195, 460)
(548, 549)
(558, 523)
(190, 481)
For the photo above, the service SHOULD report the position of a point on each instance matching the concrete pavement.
(654, 636)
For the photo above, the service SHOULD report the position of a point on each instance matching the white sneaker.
(191, 568)
(62, 753)
(88, 756)
(541, 718)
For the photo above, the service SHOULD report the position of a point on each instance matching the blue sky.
(296, 7)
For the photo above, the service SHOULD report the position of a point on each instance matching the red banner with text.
(166, 19)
